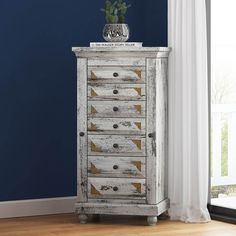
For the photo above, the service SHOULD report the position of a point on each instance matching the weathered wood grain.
(162, 128)
(116, 74)
(157, 129)
(109, 166)
(122, 52)
(152, 173)
(119, 201)
(116, 126)
(82, 144)
(116, 92)
(138, 50)
(116, 188)
(122, 145)
(111, 109)
(116, 61)
(122, 209)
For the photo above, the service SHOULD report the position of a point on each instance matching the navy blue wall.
(38, 87)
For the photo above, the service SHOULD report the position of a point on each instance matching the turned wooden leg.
(83, 219)
(151, 220)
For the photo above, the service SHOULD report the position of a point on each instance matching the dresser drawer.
(116, 92)
(116, 145)
(116, 74)
(110, 166)
(116, 125)
(116, 109)
(117, 61)
(116, 188)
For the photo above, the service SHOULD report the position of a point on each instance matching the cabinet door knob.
(115, 145)
(150, 135)
(81, 134)
(115, 167)
(115, 126)
(115, 108)
(115, 188)
(115, 74)
(115, 91)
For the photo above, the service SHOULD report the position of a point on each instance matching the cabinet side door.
(156, 130)
(82, 179)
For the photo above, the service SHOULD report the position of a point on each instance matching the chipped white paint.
(122, 209)
(116, 188)
(116, 145)
(110, 166)
(121, 52)
(115, 61)
(152, 172)
(81, 129)
(116, 109)
(116, 92)
(122, 110)
(116, 126)
(157, 128)
(118, 201)
(161, 128)
(116, 74)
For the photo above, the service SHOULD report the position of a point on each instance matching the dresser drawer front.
(116, 92)
(116, 74)
(116, 144)
(116, 188)
(117, 61)
(116, 109)
(110, 166)
(116, 125)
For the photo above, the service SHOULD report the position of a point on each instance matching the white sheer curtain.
(188, 111)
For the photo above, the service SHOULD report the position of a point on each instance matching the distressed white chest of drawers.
(122, 131)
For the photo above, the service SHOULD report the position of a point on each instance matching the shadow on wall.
(38, 87)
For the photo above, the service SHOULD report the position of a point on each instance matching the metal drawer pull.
(81, 134)
(115, 188)
(115, 126)
(150, 135)
(115, 91)
(115, 167)
(115, 145)
(115, 108)
(115, 74)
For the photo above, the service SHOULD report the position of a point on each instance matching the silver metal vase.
(116, 32)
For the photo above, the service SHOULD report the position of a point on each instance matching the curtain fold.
(188, 111)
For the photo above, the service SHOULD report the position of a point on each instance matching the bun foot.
(83, 219)
(152, 220)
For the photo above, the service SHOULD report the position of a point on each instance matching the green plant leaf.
(116, 19)
(115, 11)
(121, 19)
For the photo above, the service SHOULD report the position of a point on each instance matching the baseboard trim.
(45, 206)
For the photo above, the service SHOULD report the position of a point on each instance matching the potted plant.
(115, 29)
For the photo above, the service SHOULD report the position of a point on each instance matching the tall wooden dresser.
(122, 131)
